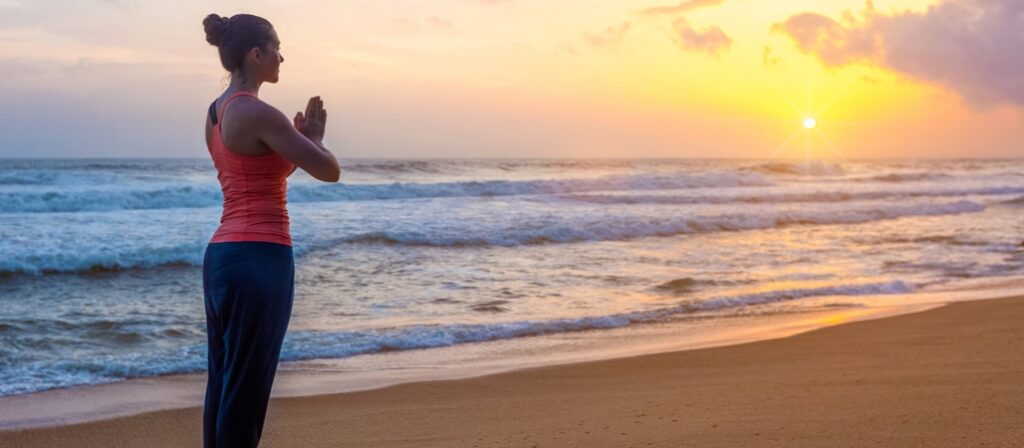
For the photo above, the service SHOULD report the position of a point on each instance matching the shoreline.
(135, 396)
(856, 367)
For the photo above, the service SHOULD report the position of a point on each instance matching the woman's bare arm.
(300, 140)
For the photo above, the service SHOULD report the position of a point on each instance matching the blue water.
(100, 277)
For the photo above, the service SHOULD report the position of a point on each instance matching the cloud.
(683, 7)
(711, 40)
(972, 47)
(440, 25)
(832, 42)
(609, 36)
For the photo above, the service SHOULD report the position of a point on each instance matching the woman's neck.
(252, 84)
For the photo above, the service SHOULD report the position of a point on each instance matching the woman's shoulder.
(253, 109)
(263, 114)
(239, 100)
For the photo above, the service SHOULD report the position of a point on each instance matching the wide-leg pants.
(248, 289)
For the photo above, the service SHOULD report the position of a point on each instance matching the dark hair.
(234, 37)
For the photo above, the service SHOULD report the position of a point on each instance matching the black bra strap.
(213, 112)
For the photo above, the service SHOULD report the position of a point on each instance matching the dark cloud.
(972, 47)
(609, 36)
(683, 7)
(711, 40)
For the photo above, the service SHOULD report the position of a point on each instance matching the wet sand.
(951, 376)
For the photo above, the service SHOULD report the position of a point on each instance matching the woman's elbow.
(335, 170)
(331, 175)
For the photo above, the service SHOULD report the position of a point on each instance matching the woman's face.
(270, 64)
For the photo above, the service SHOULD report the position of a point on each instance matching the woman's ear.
(256, 54)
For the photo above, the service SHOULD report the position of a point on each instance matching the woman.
(248, 268)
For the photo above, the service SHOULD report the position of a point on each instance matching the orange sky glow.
(518, 78)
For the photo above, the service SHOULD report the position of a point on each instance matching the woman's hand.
(313, 123)
(301, 141)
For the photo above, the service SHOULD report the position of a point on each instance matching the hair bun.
(217, 28)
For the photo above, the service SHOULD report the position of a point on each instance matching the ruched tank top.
(255, 190)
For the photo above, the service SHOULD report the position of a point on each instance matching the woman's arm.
(300, 141)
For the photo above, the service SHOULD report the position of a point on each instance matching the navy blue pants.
(248, 289)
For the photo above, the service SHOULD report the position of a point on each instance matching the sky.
(530, 78)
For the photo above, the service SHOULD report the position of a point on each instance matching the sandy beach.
(951, 376)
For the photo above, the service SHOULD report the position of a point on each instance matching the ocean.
(100, 259)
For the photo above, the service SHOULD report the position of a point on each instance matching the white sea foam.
(27, 377)
(141, 239)
(809, 168)
(906, 177)
(760, 197)
(135, 197)
(407, 254)
(1015, 201)
(619, 227)
(109, 194)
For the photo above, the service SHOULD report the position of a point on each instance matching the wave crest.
(811, 168)
(209, 194)
(306, 345)
(527, 230)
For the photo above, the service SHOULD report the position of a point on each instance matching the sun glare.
(809, 123)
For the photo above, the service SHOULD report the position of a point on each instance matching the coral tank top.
(255, 190)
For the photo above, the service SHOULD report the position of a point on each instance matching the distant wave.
(906, 177)
(209, 195)
(582, 190)
(812, 168)
(778, 198)
(682, 286)
(55, 178)
(613, 229)
(100, 261)
(37, 376)
(951, 240)
(403, 166)
(109, 200)
(1015, 201)
(24, 178)
(544, 230)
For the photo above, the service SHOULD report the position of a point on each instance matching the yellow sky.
(509, 78)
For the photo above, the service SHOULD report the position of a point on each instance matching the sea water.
(100, 259)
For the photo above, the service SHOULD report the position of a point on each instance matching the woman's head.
(248, 45)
